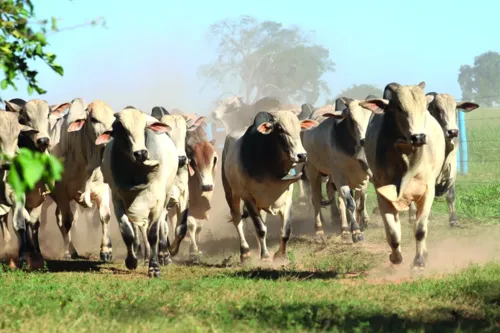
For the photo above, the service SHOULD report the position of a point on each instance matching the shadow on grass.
(272, 274)
(327, 317)
(76, 266)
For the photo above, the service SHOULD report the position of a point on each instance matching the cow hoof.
(106, 256)
(67, 256)
(13, 264)
(418, 262)
(195, 257)
(35, 261)
(266, 257)
(164, 259)
(131, 263)
(146, 262)
(455, 224)
(75, 255)
(396, 258)
(280, 258)
(357, 237)
(154, 272)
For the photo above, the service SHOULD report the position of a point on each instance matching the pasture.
(326, 285)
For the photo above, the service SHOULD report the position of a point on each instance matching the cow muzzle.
(453, 133)
(182, 161)
(42, 144)
(215, 116)
(141, 155)
(207, 188)
(418, 140)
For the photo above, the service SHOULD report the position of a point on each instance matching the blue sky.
(151, 50)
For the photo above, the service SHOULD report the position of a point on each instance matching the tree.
(359, 91)
(267, 59)
(481, 82)
(23, 39)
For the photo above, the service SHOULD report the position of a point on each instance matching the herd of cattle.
(161, 168)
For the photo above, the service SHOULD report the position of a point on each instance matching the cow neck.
(127, 174)
(343, 135)
(260, 155)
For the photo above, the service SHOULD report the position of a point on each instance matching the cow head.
(231, 104)
(285, 126)
(129, 130)
(408, 106)
(203, 163)
(94, 119)
(35, 114)
(10, 128)
(179, 126)
(444, 109)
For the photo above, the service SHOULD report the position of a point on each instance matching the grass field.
(325, 287)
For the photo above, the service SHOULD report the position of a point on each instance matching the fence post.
(463, 143)
(459, 161)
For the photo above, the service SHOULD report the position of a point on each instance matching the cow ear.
(376, 106)
(76, 125)
(104, 138)
(467, 106)
(334, 114)
(159, 127)
(12, 107)
(308, 124)
(212, 142)
(265, 128)
(58, 109)
(193, 125)
(28, 130)
(191, 170)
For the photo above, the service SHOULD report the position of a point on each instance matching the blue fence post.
(464, 156)
(459, 161)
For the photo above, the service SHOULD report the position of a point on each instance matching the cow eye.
(92, 119)
(215, 160)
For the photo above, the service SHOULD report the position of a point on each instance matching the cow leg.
(163, 254)
(147, 249)
(153, 238)
(424, 206)
(137, 241)
(260, 229)
(193, 247)
(7, 238)
(412, 213)
(180, 230)
(334, 209)
(20, 215)
(199, 228)
(102, 201)
(65, 218)
(286, 230)
(361, 214)
(36, 260)
(450, 200)
(347, 208)
(128, 234)
(301, 192)
(392, 227)
(315, 181)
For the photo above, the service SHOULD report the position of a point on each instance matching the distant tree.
(481, 82)
(23, 39)
(267, 59)
(358, 91)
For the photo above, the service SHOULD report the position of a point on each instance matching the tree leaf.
(30, 90)
(4, 84)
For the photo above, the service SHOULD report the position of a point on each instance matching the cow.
(405, 150)
(235, 114)
(334, 148)
(202, 172)
(36, 114)
(259, 167)
(10, 129)
(140, 164)
(82, 179)
(444, 108)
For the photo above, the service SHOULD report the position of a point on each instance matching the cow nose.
(453, 133)
(182, 161)
(302, 157)
(418, 139)
(207, 188)
(362, 142)
(141, 155)
(43, 142)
